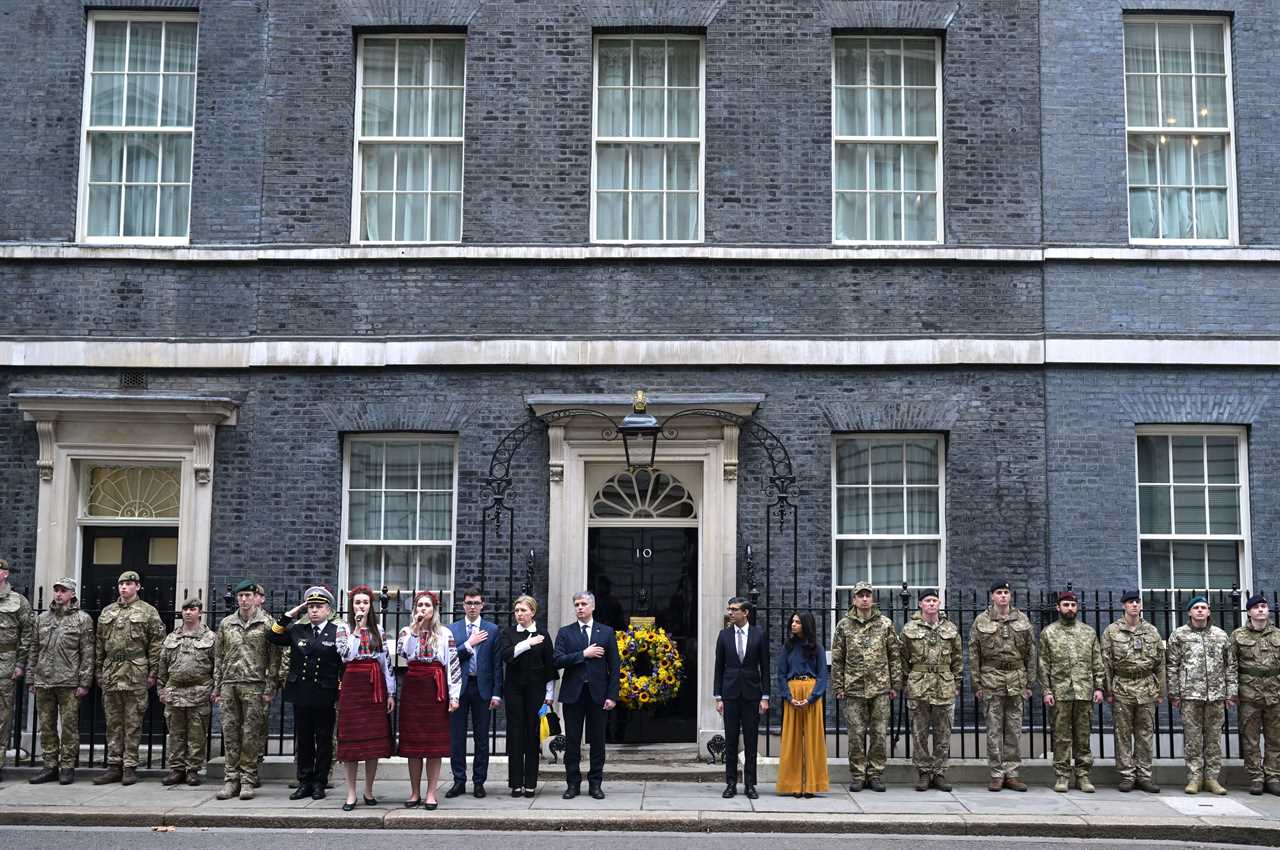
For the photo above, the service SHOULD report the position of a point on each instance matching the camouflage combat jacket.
(1258, 663)
(186, 667)
(62, 652)
(933, 659)
(1002, 658)
(865, 659)
(128, 646)
(242, 654)
(1133, 661)
(16, 626)
(1201, 664)
(1070, 661)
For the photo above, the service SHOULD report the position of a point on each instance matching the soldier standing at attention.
(61, 674)
(260, 597)
(244, 675)
(933, 659)
(1202, 684)
(1002, 666)
(1071, 681)
(186, 689)
(1257, 650)
(16, 626)
(128, 660)
(1133, 661)
(866, 668)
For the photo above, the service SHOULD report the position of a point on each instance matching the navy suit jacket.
(598, 675)
(743, 679)
(488, 657)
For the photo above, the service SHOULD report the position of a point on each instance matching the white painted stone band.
(245, 354)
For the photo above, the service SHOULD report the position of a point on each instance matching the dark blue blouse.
(798, 662)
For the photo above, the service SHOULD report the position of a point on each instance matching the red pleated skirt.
(364, 728)
(424, 711)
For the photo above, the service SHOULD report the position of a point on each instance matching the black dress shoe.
(370, 801)
(412, 804)
(730, 791)
(750, 791)
(348, 807)
(303, 791)
(516, 792)
(530, 793)
(571, 792)
(431, 807)
(477, 791)
(457, 789)
(596, 792)
(317, 793)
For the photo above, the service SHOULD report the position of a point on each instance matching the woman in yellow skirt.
(802, 679)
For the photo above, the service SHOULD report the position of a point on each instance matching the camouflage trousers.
(1259, 721)
(1202, 737)
(928, 720)
(58, 748)
(868, 725)
(1004, 729)
(188, 735)
(1072, 724)
(1135, 726)
(243, 729)
(123, 711)
(7, 689)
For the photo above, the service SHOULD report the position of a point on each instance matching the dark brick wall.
(277, 480)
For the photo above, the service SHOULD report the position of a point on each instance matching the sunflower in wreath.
(651, 669)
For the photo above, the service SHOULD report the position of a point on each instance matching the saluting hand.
(296, 609)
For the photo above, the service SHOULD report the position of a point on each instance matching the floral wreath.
(666, 669)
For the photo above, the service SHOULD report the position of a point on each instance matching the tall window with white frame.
(398, 513)
(409, 137)
(138, 129)
(888, 504)
(1178, 117)
(887, 142)
(647, 172)
(1193, 509)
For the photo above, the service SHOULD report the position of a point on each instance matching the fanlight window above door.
(643, 494)
(134, 492)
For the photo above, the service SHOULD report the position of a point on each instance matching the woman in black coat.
(528, 685)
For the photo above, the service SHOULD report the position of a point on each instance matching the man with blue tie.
(478, 646)
(587, 651)
(742, 668)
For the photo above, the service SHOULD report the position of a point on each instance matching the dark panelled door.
(650, 572)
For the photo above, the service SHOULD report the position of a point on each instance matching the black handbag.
(553, 724)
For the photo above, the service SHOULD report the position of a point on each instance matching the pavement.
(666, 806)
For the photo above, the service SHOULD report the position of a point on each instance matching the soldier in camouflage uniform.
(128, 660)
(1002, 667)
(1202, 684)
(186, 689)
(866, 669)
(16, 626)
(1133, 661)
(245, 667)
(1257, 651)
(1071, 680)
(933, 659)
(61, 675)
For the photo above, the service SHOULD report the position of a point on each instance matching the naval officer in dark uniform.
(315, 668)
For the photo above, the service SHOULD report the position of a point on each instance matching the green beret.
(248, 584)
(1196, 600)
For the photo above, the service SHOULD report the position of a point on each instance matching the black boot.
(47, 775)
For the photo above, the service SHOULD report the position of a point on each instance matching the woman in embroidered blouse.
(802, 681)
(367, 696)
(528, 684)
(432, 688)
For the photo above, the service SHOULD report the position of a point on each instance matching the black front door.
(650, 572)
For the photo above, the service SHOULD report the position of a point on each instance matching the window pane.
(1188, 510)
(437, 466)
(175, 158)
(174, 203)
(650, 63)
(142, 104)
(400, 516)
(682, 216)
(922, 510)
(106, 101)
(1210, 58)
(922, 564)
(179, 100)
(104, 211)
(446, 168)
(1144, 211)
(437, 516)
(647, 164)
(449, 62)
(446, 115)
(1153, 510)
(1188, 565)
(1155, 564)
(366, 465)
(1223, 460)
(1175, 161)
(646, 215)
(446, 217)
(682, 113)
(851, 562)
(886, 510)
(413, 111)
(180, 47)
(919, 107)
(399, 567)
(376, 213)
(611, 215)
(611, 116)
(1211, 161)
(851, 462)
(142, 158)
(885, 54)
(851, 62)
(886, 563)
(433, 569)
(1142, 160)
(917, 58)
(106, 157)
(411, 167)
(1175, 209)
(379, 167)
(1188, 460)
(851, 216)
(1140, 48)
(922, 461)
(682, 167)
(364, 515)
(851, 112)
(886, 166)
(919, 168)
(1153, 459)
(886, 462)
(1224, 510)
(144, 45)
(611, 166)
(1175, 49)
(1224, 565)
(851, 167)
(364, 566)
(886, 112)
(1211, 213)
(886, 216)
(682, 63)
(647, 109)
(139, 211)
(109, 44)
(379, 62)
(853, 510)
(377, 112)
(1175, 95)
(614, 63)
(1142, 106)
(415, 62)
(411, 217)
(921, 217)
(1211, 101)
(402, 466)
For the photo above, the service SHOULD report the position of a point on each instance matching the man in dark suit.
(587, 651)
(478, 646)
(742, 668)
(315, 668)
